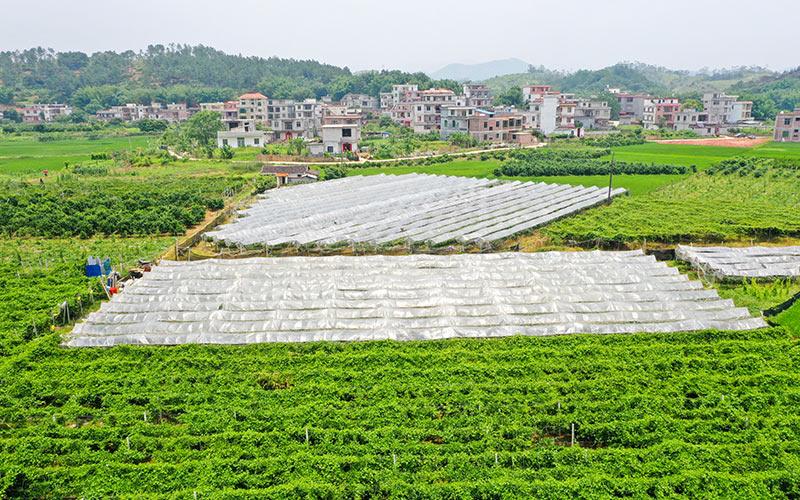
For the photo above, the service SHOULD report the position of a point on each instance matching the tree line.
(180, 73)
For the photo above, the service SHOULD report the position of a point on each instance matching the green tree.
(201, 129)
(511, 97)
(613, 103)
(151, 125)
(6, 95)
(692, 104)
(297, 146)
(226, 152)
(12, 115)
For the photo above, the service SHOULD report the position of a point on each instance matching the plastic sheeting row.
(414, 207)
(416, 297)
(728, 263)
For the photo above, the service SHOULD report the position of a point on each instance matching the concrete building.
(724, 108)
(290, 119)
(253, 107)
(360, 101)
(41, 113)
(485, 125)
(659, 112)
(243, 134)
(341, 138)
(455, 119)
(290, 174)
(172, 112)
(427, 110)
(787, 126)
(477, 95)
(535, 92)
(698, 122)
(592, 114)
(631, 107)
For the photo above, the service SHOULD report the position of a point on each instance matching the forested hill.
(177, 73)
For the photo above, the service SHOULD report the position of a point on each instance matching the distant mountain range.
(480, 71)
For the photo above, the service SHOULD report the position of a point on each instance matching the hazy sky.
(426, 34)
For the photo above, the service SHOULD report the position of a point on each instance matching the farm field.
(696, 414)
(702, 414)
(635, 184)
(26, 155)
(736, 206)
(700, 155)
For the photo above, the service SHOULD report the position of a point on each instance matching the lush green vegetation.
(790, 318)
(706, 414)
(86, 206)
(179, 73)
(712, 414)
(33, 153)
(37, 275)
(545, 167)
(705, 207)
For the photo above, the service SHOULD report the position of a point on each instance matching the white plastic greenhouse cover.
(414, 207)
(740, 263)
(415, 297)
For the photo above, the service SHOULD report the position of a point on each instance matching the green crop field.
(27, 155)
(712, 208)
(636, 184)
(706, 414)
(698, 415)
(700, 156)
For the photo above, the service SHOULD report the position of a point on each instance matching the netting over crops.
(740, 263)
(415, 207)
(415, 297)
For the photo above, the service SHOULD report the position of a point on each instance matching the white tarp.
(414, 207)
(743, 263)
(415, 297)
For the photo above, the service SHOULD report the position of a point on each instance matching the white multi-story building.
(592, 114)
(253, 107)
(427, 110)
(243, 134)
(360, 101)
(723, 108)
(38, 113)
(477, 95)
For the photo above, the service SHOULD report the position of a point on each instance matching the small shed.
(290, 174)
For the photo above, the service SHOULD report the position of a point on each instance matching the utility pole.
(611, 177)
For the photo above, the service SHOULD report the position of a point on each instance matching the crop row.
(547, 167)
(38, 275)
(93, 206)
(423, 418)
(702, 208)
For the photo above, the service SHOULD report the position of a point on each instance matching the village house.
(426, 112)
(549, 111)
(253, 107)
(723, 108)
(631, 107)
(477, 95)
(659, 112)
(696, 121)
(290, 174)
(485, 126)
(131, 112)
(240, 134)
(787, 126)
(360, 101)
(290, 119)
(41, 113)
(592, 114)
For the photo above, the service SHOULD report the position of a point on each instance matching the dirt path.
(729, 142)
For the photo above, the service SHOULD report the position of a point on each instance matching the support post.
(611, 178)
